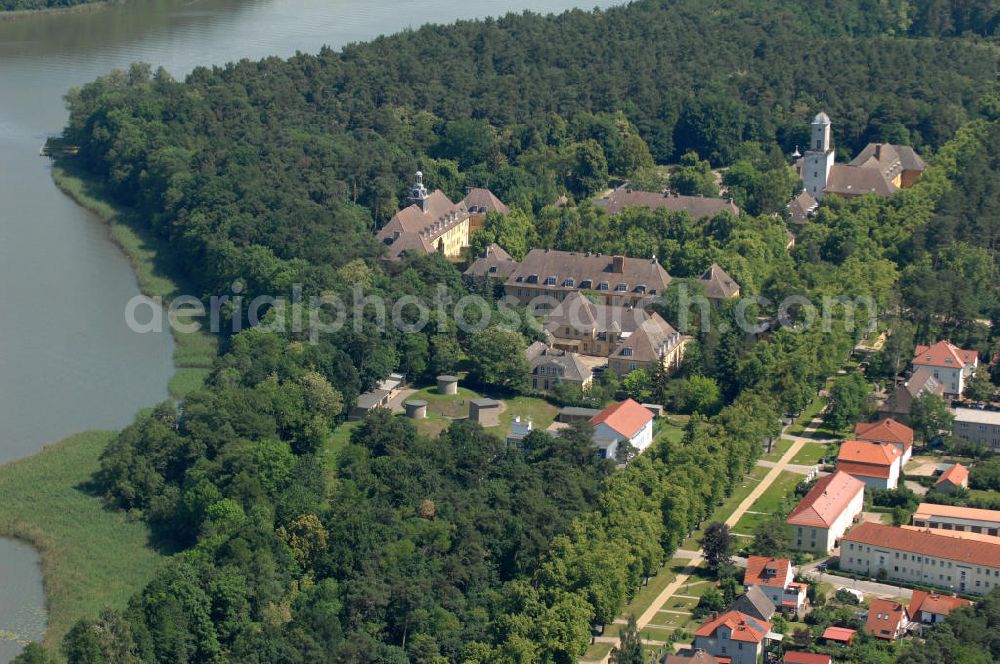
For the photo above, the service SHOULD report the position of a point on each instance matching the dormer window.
(569, 282)
(603, 286)
(533, 279)
(621, 288)
(493, 269)
(626, 352)
(586, 283)
(641, 288)
(550, 281)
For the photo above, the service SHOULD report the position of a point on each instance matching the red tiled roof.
(884, 617)
(806, 658)
(765, 571)
(929, 510)
(744, 628)
(841, 634)
(885, 431)
(924, 542)
(934, 603)
(867, 459)
(957, 475)
(627, 418)
(943, 354)
(826, 501)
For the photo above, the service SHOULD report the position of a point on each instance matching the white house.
(625, 421)
(825, 513)
(877, 465)
(929, 608)
(734, 635)
(776, 578)
(950, 365)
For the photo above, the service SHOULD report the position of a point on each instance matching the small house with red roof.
(948, 364)
(887, 619)
(733, 635)
(795, 657)
(954, 477)
(841, 635)
(776, 578)
(929, 608)
(878, 466)
(625, 421)
(887, 432)
(825, 513)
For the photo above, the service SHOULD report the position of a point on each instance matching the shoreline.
(19, 14)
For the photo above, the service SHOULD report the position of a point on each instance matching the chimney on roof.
(878, 151)
(618, 264)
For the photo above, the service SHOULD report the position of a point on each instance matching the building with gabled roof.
(954, 478)
(696, 207)
(776, 578)
(550, 367)
(929, 608)
(480, 202)
(887, 619)
(802, 208)
(825, 513)
(955, 518)
(921, 556)
(922, 380)
(654, 342)
(734, 635)
(949, 364)
(623, 421)
(887, 432)
(581, 325)
(718, 284)
(754, 602)
(878, 466)
(688, 656)
(842, 635)
(795, 657)
(980, 427)
(495, 265)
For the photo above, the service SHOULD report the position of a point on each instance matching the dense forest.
(454, 548)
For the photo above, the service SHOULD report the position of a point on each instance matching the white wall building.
(825, 513)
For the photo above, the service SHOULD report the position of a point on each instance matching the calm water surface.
(67, 361)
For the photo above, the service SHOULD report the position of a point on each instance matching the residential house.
(954, 478)
(929, 608)
(957, 519)
(887, 432)
(950, 365)
(881, 168)
(696, 207)
(550, 367)
(921, 556)
(878, 466)
(655, 342)
(825, 513)
(922, 380)
(776, 578)
(493, 267)
(718, 284)
(546, 276)
(795, 657)
(688, 656)
(754, 602)
(802, 208)
(840, 635)
(735, 635)
(981, 427)
(620, 422)
(581, 325)
(433, 223)
(887, 619)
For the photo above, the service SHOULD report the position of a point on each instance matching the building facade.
(957, 519)
(626, 421)
(877, 465)
(734, 635)
(825, 513)
(981, 427)
(948, 364)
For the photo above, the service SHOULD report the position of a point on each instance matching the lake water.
(67, 360)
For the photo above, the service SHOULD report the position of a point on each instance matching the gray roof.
(697, 207)
(802, 207)
(579, 312)
(891, 158)
(579, 411)
(479, 200)
(718, 284)
(414, 228)
(538, 355)
(587, 270)
(754, 603)
(650, 342)
(821, 118)
(370, 400)
(495, 264)
(976, 416)
(848, 180)
(923, 380)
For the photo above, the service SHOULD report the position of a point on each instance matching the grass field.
(810, 454)
(92, 557)
(780, 447)
(807, 415)
(773, 499)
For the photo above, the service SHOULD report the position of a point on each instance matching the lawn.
(810, 454)
(92, 557)
(806, 416)
(773, 499)
(668, 430)
(541, 412)
(780, 447)
(598, 652)
(722, 512)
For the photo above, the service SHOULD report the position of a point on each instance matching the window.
(533, 279)
(493, 269)
(626, 352)
(621, 288)
(586, 283)
(569, 282)
(603, 285)
(550, 281)
(641, 288)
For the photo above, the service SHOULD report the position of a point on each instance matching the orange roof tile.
(928, 510)
(765, 571)
(795, 657)
(627, 418)
(960, 534)
(927, 543)
(943, 354)
(884, 618)
(885, 431)
(826, 501)
(867, 459)
(934, 603)
(744, 628)
(957, 475)
(841, 634)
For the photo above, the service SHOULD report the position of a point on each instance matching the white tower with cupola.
(819, 157)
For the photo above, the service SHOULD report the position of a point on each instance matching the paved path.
(873, 588)
(791, 467)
